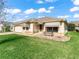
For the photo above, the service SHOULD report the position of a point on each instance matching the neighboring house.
(45, 24)
(1, 27)
(76, 23)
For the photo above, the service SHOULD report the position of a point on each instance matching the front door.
(40, 27)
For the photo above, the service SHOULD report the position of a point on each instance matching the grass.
(23, 47)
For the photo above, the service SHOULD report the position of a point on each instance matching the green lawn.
(22, 47)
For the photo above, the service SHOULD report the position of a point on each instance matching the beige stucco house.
(76, 23)
(45, 24)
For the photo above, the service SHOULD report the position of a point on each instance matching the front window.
(25, 28)
(52, 29)
(49, 29)
(55, 29)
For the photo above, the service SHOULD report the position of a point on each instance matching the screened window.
(52, 29)
(55, 29)
(49, 29)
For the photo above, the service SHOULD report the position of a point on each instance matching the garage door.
(18, 29)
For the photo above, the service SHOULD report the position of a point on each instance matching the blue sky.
(23, 9)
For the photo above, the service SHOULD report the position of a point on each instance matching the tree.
(7, 26)
(2, 14)
(2, 6)
(71, 27)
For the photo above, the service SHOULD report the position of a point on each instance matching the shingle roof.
(42, 20)
(46, 19)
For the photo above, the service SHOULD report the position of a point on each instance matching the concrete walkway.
(6, 33)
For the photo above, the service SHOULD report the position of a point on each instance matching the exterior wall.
(62, 28)
(18, 29)
(77, 28)
(35, 27)
(31, 28)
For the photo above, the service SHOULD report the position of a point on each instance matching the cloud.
(12, 11)
(40, 16)
(51, 7)
(65, 16)
(75, 2)
(17, 20)
(50, 0)
(40, 10)
(39, 1)
(76, 16)
(15, 14)
(74, 9)
(45, 1)
(20, 18)
(43, 10)
(30, 11)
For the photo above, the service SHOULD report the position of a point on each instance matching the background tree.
(71, 27)
(3, 23)
(2, 6)
(1, 12)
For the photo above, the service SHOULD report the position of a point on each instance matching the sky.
(19, 10)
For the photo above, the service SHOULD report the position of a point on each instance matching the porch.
(48, 27)
(52, 36)
(51, 31)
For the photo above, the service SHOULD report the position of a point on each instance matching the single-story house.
(45, 24)
(76, 23)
